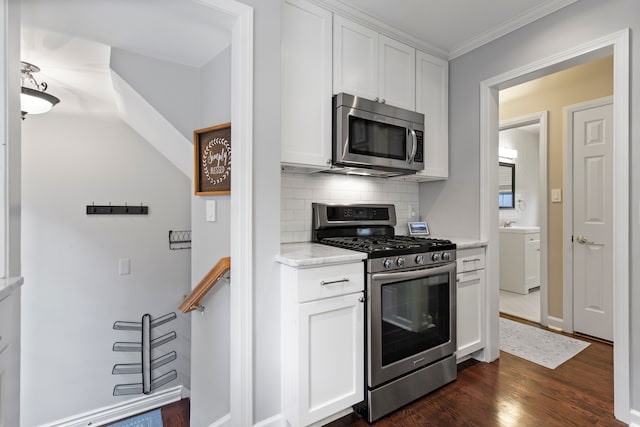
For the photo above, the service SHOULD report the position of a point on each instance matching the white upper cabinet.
(306, 85)
(372, 66)
(432, 100)
(355, 59)
(397, 85)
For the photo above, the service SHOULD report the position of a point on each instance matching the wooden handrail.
(192, 302)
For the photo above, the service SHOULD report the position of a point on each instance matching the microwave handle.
(414, 145)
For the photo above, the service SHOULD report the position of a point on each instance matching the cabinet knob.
(377, 99)
(328, 161)
(384, 101)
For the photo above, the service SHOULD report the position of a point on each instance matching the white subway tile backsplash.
(299, 191)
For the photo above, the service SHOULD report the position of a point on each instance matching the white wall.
(527, 164)
(455, 203)
(299, 191)
(173, 89)
(73, 293)
(210, 387)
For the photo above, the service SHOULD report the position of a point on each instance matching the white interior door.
(592, 220)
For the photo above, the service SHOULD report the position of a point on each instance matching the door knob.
(583, 240)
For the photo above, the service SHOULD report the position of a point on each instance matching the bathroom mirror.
(507, 186)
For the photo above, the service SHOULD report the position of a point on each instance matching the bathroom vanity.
(519, 258)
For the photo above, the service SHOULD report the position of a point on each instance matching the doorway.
(605, 46)
(523, 283)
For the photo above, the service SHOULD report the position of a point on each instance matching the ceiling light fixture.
(33, 98)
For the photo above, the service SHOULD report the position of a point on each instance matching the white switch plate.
(211, 211)
(556, 195)
(124, 266)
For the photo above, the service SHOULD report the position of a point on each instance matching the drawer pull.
(471, 260)
(332, 282)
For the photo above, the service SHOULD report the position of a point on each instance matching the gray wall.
(73, 292)
(455, 203)
(173, 89)
(210, 388)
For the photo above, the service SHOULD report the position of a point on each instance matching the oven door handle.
(413, 274)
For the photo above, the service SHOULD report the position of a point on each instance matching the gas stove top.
(389, 245)
(370, 228)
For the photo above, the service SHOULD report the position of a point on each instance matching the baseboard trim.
(634, 418)
(122, 410)
(555, 323)
(222, 422)
(275, 421)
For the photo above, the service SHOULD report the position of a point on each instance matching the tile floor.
(523, 306)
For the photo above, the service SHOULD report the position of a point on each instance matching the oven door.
(411, 320)
(365, 139)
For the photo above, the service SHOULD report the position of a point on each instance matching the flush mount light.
(33, 98)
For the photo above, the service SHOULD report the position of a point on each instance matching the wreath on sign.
(218, 151)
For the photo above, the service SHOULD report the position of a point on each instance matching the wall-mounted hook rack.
(109, 209)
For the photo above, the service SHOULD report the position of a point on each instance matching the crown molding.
(362, 18)
(513, 24)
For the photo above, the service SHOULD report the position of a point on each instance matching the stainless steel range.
(410, 316)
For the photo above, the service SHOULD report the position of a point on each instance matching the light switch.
(556, 195)
(124, 266)
(211, 211)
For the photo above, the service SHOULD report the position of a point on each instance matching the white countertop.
(520, 229)
(312, 254)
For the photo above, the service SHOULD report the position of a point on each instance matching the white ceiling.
(70, 39)
(180, 31)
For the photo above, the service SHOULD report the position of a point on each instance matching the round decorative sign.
(213, 159)
(216, 161)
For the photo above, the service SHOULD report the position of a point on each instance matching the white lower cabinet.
(519, 260)
(470, 301)
(322, 341)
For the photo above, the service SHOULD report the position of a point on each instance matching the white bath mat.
(538, 345)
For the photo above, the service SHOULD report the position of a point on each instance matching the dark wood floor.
(514, 392)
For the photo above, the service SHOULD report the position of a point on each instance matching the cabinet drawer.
(328, 281)
(531, 237)
(470, 259)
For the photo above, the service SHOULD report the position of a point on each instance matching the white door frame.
(618, 44)
(541, 119)
(567, 220)
(241, 289)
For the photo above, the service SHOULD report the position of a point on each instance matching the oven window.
(415, 316)
(377, 139)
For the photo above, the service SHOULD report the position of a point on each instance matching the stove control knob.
(420, 259)
(435, 257)
(446, 256)
(400, 262)
(387, 263)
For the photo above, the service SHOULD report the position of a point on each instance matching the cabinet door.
(397, 84)
(531, 262)
(432, 99)
(470, 312)
(331, 339)
(306, 85)
(355, 59)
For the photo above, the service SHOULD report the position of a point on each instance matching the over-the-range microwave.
(373, 138)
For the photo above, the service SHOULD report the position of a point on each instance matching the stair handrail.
(220, 270)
